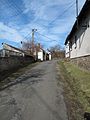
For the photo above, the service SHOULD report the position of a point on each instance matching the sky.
(53, 20)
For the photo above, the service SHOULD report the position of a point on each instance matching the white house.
(49, 56)
(9, 50)
(77, 43)
(41, 55)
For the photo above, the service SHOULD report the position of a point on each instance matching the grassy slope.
(77, 87)
(81, 84)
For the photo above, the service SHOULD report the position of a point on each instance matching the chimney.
(39, 46)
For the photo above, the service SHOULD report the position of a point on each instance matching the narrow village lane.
(36, 97)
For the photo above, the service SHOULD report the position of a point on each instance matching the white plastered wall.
(83, 42)
(67, 50)
(40, 55)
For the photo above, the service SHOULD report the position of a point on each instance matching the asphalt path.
(36, 96)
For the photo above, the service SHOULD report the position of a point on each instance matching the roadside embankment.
(76, 83)
(11, 64)
(17, 76)
(82, 62)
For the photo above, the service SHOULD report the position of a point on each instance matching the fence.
(10, 64)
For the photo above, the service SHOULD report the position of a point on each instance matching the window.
(75, 41)
(70, 45)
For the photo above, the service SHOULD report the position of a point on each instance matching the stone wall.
(8, 64)
(83, 62)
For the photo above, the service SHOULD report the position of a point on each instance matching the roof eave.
(74, 28)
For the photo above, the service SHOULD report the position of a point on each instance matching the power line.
(62, 13)
(19, 12)
(50, 39)
(26, 36)
(77, 12)
(12, 5)
(65, 11)
(46, 37)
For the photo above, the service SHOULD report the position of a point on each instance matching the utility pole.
(33, 31)
(77, 12)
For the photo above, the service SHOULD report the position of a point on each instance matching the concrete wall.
(82, 62)
(11, 63)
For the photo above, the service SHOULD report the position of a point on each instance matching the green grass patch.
(79, 80)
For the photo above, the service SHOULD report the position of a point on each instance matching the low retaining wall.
(8, 64)
(83, 62)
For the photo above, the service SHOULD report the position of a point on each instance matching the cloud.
(37, 14)
(45, 10)
(9, 33)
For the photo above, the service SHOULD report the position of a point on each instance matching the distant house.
(9, 50)
(78, 41)
(43, 55)
(40, 54)
(49, 56)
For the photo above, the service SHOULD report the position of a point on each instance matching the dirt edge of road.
(75, 110)
(11, 79)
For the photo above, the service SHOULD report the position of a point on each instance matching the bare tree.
(31, 48)
(26, 45)
(57, 51)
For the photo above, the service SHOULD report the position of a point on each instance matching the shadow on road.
(33, 77)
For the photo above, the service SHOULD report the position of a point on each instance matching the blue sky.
(51, 18)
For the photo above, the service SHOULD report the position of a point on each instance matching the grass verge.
(76, 83)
